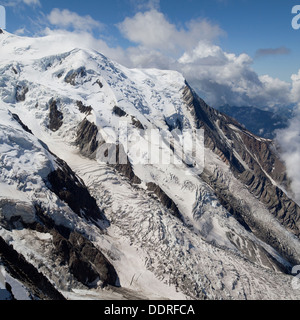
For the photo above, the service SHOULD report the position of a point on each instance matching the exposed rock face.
(16, 117)
(267, 158)
(137, 123)
(125, 169)
(14, 214)
(67, 186)
(56, 117)
(88, 265)
(27, 274)
(216, 234)
(165, 200)
(14, 70)
(119, 112)
(21, 92)
(84, 109)
(254, 162)
(85, 262)
(86, 140)
(73, 75)
(99, 83)
(69, 248)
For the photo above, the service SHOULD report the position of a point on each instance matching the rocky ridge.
(148, 228)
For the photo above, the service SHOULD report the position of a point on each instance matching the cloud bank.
(289, 141)
(152, 30)
(66, 19)
(14, 3)
(219, 77)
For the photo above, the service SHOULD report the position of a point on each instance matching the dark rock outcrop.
(16, 117)
(258, 163)
(87, 263)
(70, 189)
(86, 140)
(242, 213)
(74, 74)
(119, 112)
(9, 289)
(56, 117)
(14, 70)
(137, 123)
(126, 168)
(84, 109)
(164, 199)
(21, 92)
(27, 274)
(99, 83)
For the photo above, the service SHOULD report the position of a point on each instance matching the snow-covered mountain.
(73, 226)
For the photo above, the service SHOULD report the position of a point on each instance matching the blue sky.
(260, 29)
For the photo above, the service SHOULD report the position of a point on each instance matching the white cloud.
(141, 57)
(14, 3)
(274, 91)
(20, 31)
(69, 40)
(289, 141)
(296, 87)
(218, 76)
(149, 29)
(68, 19)
(152, 30)
(205, 54)
(141, 5)
(32, 2)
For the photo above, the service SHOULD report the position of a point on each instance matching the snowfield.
(207, 254)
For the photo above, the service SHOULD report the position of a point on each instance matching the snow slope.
(206, 254)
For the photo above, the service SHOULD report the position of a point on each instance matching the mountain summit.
(89, 210)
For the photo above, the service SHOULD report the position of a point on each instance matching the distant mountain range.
(260, 122)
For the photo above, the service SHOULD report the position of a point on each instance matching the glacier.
(159, 231)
